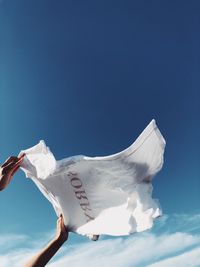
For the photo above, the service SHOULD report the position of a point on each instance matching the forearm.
(44, 256)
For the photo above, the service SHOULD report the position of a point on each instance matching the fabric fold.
(102, 195)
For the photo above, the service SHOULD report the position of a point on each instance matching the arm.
(44, 256)
(8, 169)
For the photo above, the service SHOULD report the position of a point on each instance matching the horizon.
(87, 78)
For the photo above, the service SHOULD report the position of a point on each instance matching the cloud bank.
(175, 241)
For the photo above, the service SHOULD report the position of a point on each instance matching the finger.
(11, 165)
(14, 164)
(8, 168)
(61, 219)
(18, 163)
(58, 224)
(15, 170)
(20, 160)
(63, 224)
(13, 159)
(9, 160)
(58, 220)
(22, 156)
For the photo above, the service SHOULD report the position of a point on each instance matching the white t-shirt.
(101, 195)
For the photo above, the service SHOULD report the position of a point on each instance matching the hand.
(45, 255)
(61, 232)
(9, 168)
(11, 165)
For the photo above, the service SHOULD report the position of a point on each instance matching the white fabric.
(101, 195)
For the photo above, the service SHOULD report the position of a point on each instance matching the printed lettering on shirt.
(80, 195)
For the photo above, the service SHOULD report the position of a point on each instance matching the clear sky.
(87, 77)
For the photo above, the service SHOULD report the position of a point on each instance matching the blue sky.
(87, 77)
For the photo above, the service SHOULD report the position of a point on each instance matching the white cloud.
(187, 259)
(134, 251)
(8, 241)
(15, 258)
(168, 245)
(16, 249)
